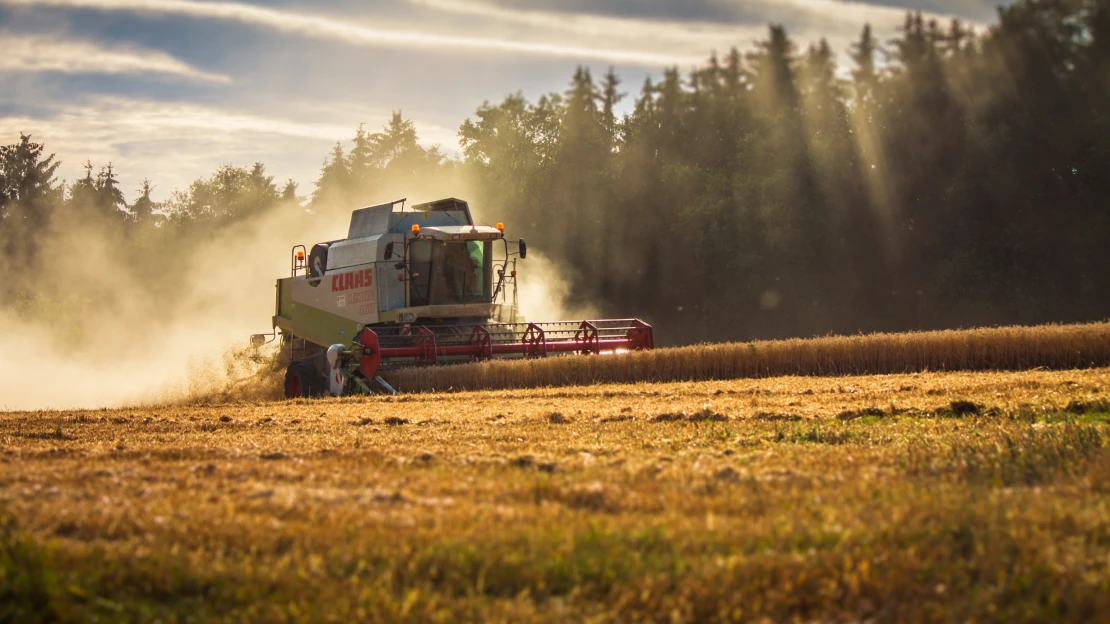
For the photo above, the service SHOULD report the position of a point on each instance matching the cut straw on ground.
(930, 497)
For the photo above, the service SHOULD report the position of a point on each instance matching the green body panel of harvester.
(303, 321)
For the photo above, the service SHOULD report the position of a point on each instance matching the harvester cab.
(421, 286)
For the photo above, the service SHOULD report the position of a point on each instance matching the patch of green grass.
(28, 584)
(1085, 418)
(816, 433)
(898, 570)
(1031, 455)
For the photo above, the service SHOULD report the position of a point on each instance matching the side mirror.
(399, 266)
(523, 246)
(388, 251)
(257, 340)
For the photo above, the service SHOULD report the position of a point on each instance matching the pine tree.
(670, 102)
(957, 36)
(144, 207)
(912, 48)
(396, 143)
(334, 183)
(28, 175)
(611, 96)
(30, 196)
(109, 201)
(361, 161)
(819, 73)
(260, 194)
(865, 77)
(289, 192)
(82, 193)
(579, 170)
(773, 68)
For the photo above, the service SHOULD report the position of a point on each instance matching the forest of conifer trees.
(944, 178)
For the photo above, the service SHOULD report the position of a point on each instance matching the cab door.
(420, 273)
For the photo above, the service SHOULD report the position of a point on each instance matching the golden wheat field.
(999, 348)
(942, 496)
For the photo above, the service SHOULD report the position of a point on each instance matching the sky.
(172, 89)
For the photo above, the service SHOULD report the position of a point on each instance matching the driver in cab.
(462, 272)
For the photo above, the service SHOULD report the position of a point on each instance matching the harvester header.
(416, 287)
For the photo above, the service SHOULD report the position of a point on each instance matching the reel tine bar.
(535, 341)
(426, 340)
(588, 338)
(481, 338)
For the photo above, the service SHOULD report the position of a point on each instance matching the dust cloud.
(544, 294)
(185, 342)
(139, 347)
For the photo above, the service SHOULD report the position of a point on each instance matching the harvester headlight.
(415, 228)
(500, 227)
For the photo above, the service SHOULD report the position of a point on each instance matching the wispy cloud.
(173, 143)
(849, 13)
(683, 38)
(39, 53)
(807, 20)
(327, 28)
(682, 18)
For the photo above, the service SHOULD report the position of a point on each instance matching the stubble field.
(919, 497)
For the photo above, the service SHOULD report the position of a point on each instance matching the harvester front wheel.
(303, 380)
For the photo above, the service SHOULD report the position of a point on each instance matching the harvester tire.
(302, 380)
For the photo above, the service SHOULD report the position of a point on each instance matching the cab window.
(459, 270)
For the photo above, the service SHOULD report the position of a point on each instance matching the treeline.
(944, 178)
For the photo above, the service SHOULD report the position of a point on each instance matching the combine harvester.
(416, 287)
